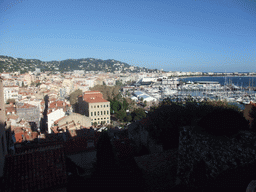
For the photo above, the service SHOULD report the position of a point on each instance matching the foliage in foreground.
(216, 118)
(252, 114)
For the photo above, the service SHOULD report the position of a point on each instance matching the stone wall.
(211, 155)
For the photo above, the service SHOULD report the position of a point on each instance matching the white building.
(11, 92)
(53, 116)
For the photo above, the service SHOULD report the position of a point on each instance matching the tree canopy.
(138, 114)
(73, 96)
(109, 92)
(164, 121)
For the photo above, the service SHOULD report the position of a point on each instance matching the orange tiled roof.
(93, 97)
(95, 100)
(12, 117)
(9, 109)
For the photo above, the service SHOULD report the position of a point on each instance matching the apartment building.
(94, 106)
(10, 92)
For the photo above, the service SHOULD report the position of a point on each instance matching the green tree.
(73, 96)
(125, 104)
(109, 92)
(95, 124)
(115, 106)
(105, 155)
(121, 115)
(128, 118)
(138, 114)
(252, 114)
(145, 103)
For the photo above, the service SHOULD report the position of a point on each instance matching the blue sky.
(174, 35)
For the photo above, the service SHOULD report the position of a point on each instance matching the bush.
(138, 114)
(105, 155)
(223, 121)
(164, 125)
(252, 114)
(217, 118)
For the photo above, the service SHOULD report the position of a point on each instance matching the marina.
(203, 89)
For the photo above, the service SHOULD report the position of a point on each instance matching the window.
(101, 106)
(107, 105)
(98, 113)
(101, 113)
(91, 123)
(94, 106)
(104, 105)
(108, 121)
(91, 106)
(94, 113)
(98, 118)
(104, 112)
(107, 112)
(101, 118)
(98, 106)
(91, 113)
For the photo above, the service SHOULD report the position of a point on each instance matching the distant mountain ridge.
(10, 64)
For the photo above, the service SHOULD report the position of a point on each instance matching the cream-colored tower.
(3, 147)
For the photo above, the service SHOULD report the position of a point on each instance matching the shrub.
(164, 125)
(252, 114)
(223, 121)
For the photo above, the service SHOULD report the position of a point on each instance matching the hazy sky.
(174, 35)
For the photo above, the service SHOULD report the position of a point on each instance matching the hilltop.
(10, 64)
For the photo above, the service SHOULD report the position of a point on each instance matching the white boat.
(170, 92)
(240, 100)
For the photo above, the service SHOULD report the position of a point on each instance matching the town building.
(71, 122)
(94, 106)
(10, 92)
(29, 112)
(3, 147)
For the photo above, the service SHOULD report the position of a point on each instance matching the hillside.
(11, 64)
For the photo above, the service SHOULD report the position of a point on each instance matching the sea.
(241, 81)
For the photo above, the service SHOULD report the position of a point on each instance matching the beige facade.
(99, 112)
(77, 119)
(94, 106)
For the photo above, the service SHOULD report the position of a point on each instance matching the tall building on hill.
(3, 147)
(92, 104)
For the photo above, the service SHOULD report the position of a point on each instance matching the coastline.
(213, 76)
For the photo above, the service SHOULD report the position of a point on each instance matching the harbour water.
(243, 81)
(239, 97)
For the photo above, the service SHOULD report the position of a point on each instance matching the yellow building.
(94, 106)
